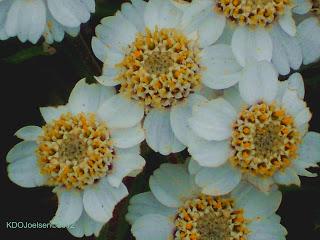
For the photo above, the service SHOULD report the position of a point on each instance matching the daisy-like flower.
(308, 31)
(259, 133)
(161, 60)
(83, 155)
(256, 29)
(176, 210)
(31, 19)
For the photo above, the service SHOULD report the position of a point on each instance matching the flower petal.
(26, 172)
(308, 35)
(112, 111)
(100, 200)
(127, 137)
(209, 153)
(144, 204)
(218, 181)
(221, 67)
(85, 226)
(88, 98)
(162, 14)
(259, 83)
(152, 226)
(29, 133)
(287, 177)
(69, 209)
(287, 23)
(159, 134)
(266, 229)
(213, 120)
(255, 203)
(171, 185)
(21, 151)
(123, 165)
(179, 118)
(52, 113)
(248, 44)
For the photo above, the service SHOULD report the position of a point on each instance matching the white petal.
(53, 113)
(88, 98)
(263, 184)
(134, 14)
(26, 19)
(159, 134)
(302, 6)
(123, 165)
(308, 34)
(29, 133)
(259, 83)
(179, 118)
(100, 200)
(152, 226)
(211, 29)
(266, 229)
(193, 166)
(256, 204)
(213, 120)
(26, 172)
(21, 151)
(218, 181)
(127, 137)
(116, 32)
(251, 44)
(287, 23)
(286, 51)
(162, 14)
(209, 153)
(221, 67)
(70, 13)
(309, 151)
(145, 203)
(287, 177)
(171, 185)
(232, 95)
(69, 209)
(292, 102)
(112, 111)
(85, 226)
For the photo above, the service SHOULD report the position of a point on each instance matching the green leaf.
(27, 54)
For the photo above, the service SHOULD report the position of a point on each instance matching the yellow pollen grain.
(252, 12)
(75, 151)
(160, 68)
(265, 140)
(210, 218)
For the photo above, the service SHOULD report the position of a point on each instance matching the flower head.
(175, 209)
(161, 59)
(258, 133)
(82, 155)
(31, 19)
(256, 29)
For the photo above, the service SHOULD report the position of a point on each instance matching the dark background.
(28, 83)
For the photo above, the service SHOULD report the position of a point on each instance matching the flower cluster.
(201, 75)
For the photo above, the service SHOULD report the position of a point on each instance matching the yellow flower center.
(160, 68)
(252, 12)
(208, 218)
(75, 151)
(264, 139)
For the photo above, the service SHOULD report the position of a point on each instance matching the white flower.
(82, 154)
(161, 60)
(257, 29)
(30, 19)
(176, 210)
(308, 31)
(260, 134)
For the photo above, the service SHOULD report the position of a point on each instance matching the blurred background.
(32, 76)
